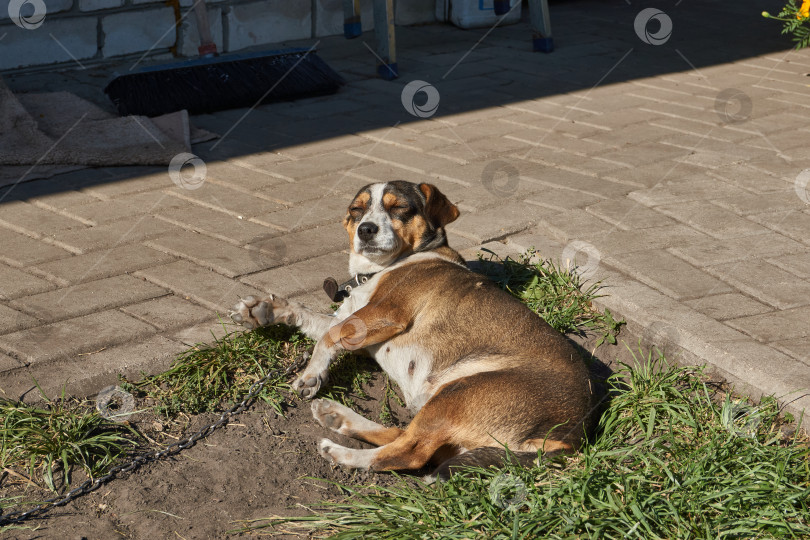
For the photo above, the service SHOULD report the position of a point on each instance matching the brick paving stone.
(561, 199)
(31, 220)
(748, 178)
(498, 222)
(618, 241)
(650, 175)
(307, 214)
(297, 246)
(633, 134)
(761, 203)
(583, 165)
(222, 257)
(556, 127)
(89, 297)
(65, 339)
(232, 174)
(199, 284)
(346, 183)
(727, 306)
(794, 224)
(113, 234)
(797, 264)
(379, 172)
(546, 247)
(137, 179)
(486, 148)
(558, 141)
(765, 282)
(8, 363)
(126, 207)
(406, 139)
(301, 277)
(314, 166)
(628, 215)
(641, 154)
(711, 219)
(19, 250)
(57, 200)
(796, 348)
(776, 326)
(467, 132)
(677, 188)
(666, 273)
(402, 158)
(12, 320)
(576, 225)
(225, 227)
(169, 312)
(102, 264)
(713, 251)
(331, 144)
(223, 199)
(14, 283)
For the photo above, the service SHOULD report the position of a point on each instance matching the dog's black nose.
(366, 231)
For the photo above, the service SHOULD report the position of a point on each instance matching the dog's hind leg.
(345, 421)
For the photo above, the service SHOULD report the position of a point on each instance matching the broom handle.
(207, 46)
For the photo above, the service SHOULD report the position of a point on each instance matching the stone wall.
(65, 33)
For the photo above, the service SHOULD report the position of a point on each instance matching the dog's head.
(389, 220)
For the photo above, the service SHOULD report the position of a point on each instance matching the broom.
(212, 83)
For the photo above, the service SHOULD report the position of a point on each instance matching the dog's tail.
(487, 456)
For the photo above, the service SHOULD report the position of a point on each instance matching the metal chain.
(90, 485)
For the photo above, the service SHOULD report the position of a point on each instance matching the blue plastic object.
(352, 30)
(542, 44)
(389, 72)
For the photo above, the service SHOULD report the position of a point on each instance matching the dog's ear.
(439, 210)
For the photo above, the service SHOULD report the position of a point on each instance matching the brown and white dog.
(477, 368)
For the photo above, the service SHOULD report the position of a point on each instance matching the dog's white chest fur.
(409, 366)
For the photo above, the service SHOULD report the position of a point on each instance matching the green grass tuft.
(557, 294)
(205, 378)
(52, 439)
(670, 462)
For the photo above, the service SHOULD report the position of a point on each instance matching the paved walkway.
(671, 171)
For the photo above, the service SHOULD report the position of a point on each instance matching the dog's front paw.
(309, 383)
(252, 312)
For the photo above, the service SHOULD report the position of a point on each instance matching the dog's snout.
(366, 231)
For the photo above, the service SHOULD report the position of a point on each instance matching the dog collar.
(336, 292)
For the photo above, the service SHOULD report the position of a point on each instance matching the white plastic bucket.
(481, 13)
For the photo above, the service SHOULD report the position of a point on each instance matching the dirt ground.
(261, 465)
